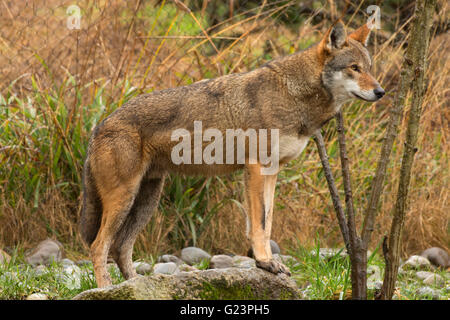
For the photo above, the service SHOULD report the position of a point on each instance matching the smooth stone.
(194, 255)
(434, 280)
(37, 296)
(428, 292)
(165, 268)
(142, 268)
(437, 256)
(220, 261)
(422, 275)
(170, 258)
(45, 252)
(416, 263)
(275, 247)
(243, 262)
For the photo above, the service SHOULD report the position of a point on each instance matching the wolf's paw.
(273, 267)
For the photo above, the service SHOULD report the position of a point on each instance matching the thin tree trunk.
(417, 49)
(358, 254)
(318, 138)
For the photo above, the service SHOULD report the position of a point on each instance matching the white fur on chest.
(291, 147)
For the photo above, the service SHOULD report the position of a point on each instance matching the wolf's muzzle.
(379, 92)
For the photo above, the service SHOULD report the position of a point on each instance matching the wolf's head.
(347, 64)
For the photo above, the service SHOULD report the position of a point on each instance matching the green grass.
(325, 279)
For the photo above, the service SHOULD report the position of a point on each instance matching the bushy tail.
(91, 212)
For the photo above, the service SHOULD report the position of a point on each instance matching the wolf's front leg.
(260, 191)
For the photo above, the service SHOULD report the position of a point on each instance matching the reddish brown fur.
(129, 153)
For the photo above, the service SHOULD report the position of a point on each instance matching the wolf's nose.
(379, 92)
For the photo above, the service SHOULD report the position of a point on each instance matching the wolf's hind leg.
(144, 204)
(116, 205)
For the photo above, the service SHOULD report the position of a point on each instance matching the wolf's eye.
(355, 67)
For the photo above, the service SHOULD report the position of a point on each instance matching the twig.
(358, 252)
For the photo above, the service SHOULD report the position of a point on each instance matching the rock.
(274, 247)
(170, 258)
(243, 262)
(142, 267)
(437, 256)
(416, 263)
(427, 292)
(9, 277)
(84, 263)
(373, 273)
(193, 255)
(434, 280)
(220, 261)
(4, 257)
(40, 270)
(67, 262)
(45, 252)
(286, 259)
(422, 275)
(186, 268)
(328, 253)
(374, 285)
(227, 284)
(71, 277)
(165, 268)
(37, 296)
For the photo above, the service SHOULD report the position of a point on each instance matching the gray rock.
(373, 273)
(416, 263)
(437, 256)
(285, 259)
(186, 268)
(193, 255)
(71, 277)
(243, 262)
(328, 253)
(4, 257)
(40, 270)
(9, 277)
(170, 258)
(230, 283)
(434, 280)
(274, 247)
(220, 261)
(374, 285)
(165, 268)
(37, 296)
(142, 268)
(422, 275)
(67, 262)
(45, 252)
(84, 263)
(427, 292)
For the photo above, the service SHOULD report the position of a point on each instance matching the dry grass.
(116, 50)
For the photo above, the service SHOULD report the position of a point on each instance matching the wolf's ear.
(361, 34)
(335, 38)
